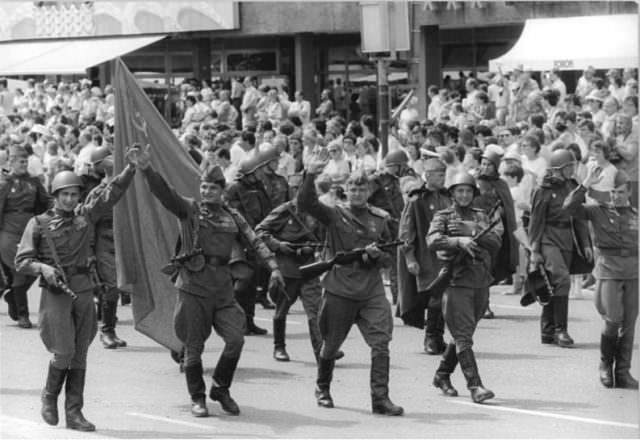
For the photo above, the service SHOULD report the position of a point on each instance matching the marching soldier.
(559, 242)
(56, 246)
(452, 231)
(102, 165)
(615, 227)
(493, 189)
(208, 230)
(353, 293)
(293, 236)
(250, 198)
(278, 190)
(386, 194)
(21, 197)
(418, 265)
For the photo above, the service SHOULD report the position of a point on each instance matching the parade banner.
(145, 232)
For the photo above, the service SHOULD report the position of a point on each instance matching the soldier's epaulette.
(378, 212)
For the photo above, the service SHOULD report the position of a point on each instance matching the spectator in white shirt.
(300, 108)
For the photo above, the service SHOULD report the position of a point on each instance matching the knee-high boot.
(380, 402)
(50, 393)
(222, 378)
(22, 305)
(607, 353)
(323, 382)
(74, 401)
(547, 325)
(561, 320)
(624, 350)
(442, 378)
(279, 346)
(470, 370)
(197, 390)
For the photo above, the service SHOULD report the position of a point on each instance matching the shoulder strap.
(47, 236)
(305, 228)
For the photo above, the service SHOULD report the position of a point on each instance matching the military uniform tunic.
(354, 293)
(206, 297)
(66, 327)
(465, 300)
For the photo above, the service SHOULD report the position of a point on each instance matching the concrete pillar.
(202, 58)
(417, 69)
(432, 57)
(305, 66)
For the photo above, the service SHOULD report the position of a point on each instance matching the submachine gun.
(437, 287)
(316, 269)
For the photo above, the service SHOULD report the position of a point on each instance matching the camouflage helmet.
(561, 158)
(397, 157)
(463, 178)
(65, 179)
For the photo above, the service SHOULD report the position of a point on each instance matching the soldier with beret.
(418, 265)
(615, 227)
(208, 229)
(353, 293)
(56, 246)
(386, 194)
(21, 197)
(249, 196)
(559, 242)
(453, 231)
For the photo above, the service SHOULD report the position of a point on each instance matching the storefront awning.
(574, 43)
(65, 56)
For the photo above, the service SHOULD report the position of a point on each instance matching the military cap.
(213, 174)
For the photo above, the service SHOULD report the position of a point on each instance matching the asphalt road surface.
(542, 391)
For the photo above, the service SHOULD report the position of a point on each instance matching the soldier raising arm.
(615, 228)
(205, 292)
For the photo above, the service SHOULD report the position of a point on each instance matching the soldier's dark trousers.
(434, 325)
(463, 307)
(310, 294)
(245, 293)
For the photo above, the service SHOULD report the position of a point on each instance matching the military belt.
(617, 252)
(75, 270)
(212, 260)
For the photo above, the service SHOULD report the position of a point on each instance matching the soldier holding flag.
(208, 230)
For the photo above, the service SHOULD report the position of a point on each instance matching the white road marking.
(550, 415)
(271, 320)
(174, 421)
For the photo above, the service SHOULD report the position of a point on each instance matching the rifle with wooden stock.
(309, 271)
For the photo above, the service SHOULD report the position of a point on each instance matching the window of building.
(252, 62)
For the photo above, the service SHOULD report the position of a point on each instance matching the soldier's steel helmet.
(492, 157)
(463, 178)
(397, 157)
(561, 158)
(99, 154)
(65, 179)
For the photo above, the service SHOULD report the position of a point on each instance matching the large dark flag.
(145, 232)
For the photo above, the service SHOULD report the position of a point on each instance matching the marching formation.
(293, 207)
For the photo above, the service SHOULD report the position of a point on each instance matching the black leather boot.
(109, 320)
(624, 350)
(323, 382)
(197, 390)
(380, 402)
(12, 309)
(74, 401)
(442, 378)
(279, 351)
(561, 319)
(50, 393)
(470, 370)
(546, 324)
(22, 306)
(253, 329)
(607, 353)
(222, 377)
(434, 329)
